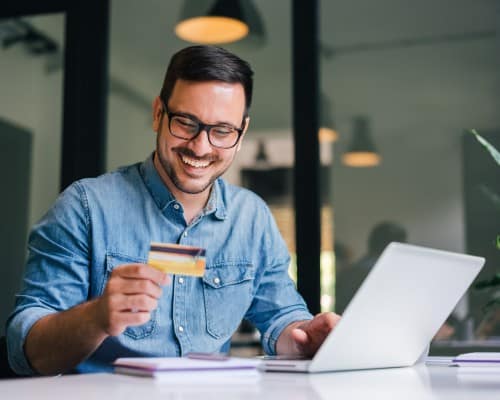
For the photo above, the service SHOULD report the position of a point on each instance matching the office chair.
(5, 370)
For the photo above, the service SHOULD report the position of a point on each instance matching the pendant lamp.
(224, 22)
(362, 152)
(327, 132)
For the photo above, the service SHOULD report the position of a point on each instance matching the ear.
(247, 122)
(157, 113)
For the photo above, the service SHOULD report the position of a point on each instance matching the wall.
(420, 100)
(31, 97)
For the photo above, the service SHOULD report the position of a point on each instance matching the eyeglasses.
(182, 126)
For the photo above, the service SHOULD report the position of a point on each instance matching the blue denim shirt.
(98, 224)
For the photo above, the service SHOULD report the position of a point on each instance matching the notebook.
(395, 313)
(196, 367)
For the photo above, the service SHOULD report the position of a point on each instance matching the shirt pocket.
(227, 290)
(114, 260)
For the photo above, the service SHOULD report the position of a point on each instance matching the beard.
(187, 187)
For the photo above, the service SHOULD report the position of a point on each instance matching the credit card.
(177, 259)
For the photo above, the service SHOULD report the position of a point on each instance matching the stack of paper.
(478, 368)
(438, 360)
(484, 359)
(190, 369)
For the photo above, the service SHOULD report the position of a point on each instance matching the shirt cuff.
(274, 331)
(17, 330)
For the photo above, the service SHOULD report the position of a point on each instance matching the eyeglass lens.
(218, 135)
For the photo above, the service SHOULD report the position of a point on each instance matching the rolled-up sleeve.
(56, 275)
(18, 327)
(279, 324)
(276, 302)
(276, 305)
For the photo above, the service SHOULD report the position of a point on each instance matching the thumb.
(300, 336)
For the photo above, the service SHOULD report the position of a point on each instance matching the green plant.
(495, 198)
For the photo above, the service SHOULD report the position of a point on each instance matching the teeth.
(195, 163)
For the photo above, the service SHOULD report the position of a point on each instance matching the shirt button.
(176, 206)
(185, 234)
(216, 281)
(181, 328)
(181, 280)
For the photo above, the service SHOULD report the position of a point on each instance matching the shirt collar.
(215, 202)
(163, 197)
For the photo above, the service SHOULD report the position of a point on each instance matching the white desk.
(434, 382)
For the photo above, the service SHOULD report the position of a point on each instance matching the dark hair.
(208, 63)
(383, 234)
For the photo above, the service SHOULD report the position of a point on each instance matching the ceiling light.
(327, 132)
(362, 151)
(261, 158)
(327, 135)
(224, 23)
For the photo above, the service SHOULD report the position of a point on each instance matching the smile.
(194, 163)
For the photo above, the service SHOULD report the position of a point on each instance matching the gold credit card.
(177, 259)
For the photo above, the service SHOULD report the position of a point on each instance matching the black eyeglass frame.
(201, 127)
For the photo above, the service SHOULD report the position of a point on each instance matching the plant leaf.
(495, 281)
(491, 304)
(494, 152)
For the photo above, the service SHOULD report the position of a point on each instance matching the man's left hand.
(305, 337)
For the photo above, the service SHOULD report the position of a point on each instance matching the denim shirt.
(98, 224)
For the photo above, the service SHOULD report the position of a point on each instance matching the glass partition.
(406, 82)
(31, 82)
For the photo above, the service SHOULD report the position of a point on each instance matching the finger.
(303, 342)
(315, 332)
(141, 303)
(141, 271)
(323, 323)
(131, 286)
(133, 303)
(133, 319)
(300, 337)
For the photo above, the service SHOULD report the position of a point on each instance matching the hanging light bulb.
(327, 132)
(261, 158)
(362, 151)
(224, 23)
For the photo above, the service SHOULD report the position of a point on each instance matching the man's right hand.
(131, 294)
(60, 341)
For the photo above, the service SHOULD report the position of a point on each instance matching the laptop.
(395, 313)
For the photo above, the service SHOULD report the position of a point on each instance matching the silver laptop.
(395, 313)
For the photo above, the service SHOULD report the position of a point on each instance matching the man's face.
(193, 165)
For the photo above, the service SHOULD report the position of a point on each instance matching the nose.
(200, 143)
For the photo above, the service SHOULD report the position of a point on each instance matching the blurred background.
(400, 84)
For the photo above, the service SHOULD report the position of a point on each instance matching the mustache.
(191, 154)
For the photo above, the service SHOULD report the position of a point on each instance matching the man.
(88, 295)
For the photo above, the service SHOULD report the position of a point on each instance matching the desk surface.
(433, 382)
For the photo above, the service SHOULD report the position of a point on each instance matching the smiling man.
(89, 296)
